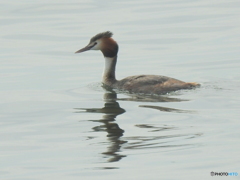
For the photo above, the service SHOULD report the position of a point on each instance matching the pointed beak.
(84, 49)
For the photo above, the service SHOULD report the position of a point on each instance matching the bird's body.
(144, 84)
(151, 84)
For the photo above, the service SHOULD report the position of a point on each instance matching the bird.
(138, 84)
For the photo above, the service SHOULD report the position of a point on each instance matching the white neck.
(109, 71)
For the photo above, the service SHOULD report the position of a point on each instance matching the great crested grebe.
(143, 84)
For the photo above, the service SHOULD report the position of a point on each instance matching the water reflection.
(152, 98)
(146, 98)
(143, 97)
(111, 110)
(166, 109)
(168, 138)
(165, 140)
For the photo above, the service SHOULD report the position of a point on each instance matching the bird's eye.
(94, 44)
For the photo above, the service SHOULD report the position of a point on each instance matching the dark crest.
(106, 34)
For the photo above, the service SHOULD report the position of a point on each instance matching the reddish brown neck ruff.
(109, 47)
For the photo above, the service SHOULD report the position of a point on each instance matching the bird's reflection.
(166, 109)
(143, 97)
(110, 110)
(151, 98)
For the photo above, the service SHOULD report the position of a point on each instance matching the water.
(57, 122)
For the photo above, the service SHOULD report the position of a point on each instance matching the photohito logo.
(224, 173)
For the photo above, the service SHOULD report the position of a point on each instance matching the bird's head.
(104, 42)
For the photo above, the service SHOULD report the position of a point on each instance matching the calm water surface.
(57, 122)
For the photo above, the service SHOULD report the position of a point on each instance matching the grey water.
(57, 122)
